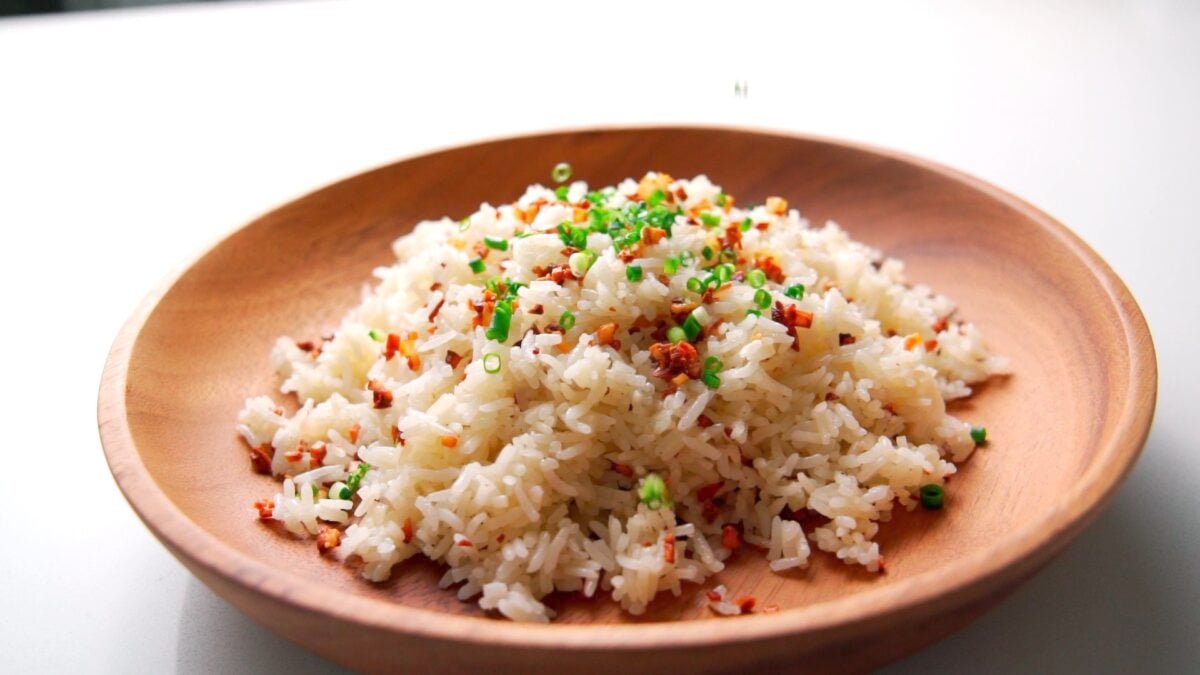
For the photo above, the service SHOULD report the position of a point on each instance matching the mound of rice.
(809, 402)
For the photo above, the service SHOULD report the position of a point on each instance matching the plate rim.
(1013, 558)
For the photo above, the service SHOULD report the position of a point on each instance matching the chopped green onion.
(675, 335)
(702, 316)
(354, 480)
(762, 298)
(713, 364)
(746, 225)
(671, 265)
(756, 278)
(710, 379)
(580, 262)
(567, 320)
(979, 435)
(728, 254)
(374, 336)
(707, 252)
(653, 492)
(720, 199)
(464, 224)
(695, 285)
(633, 273)
(692, 327)
(561, 192)
(564, 232)
(501, 319)
(932, 496)
(478, 266)
(561, 172)
(579, 237)
(754, 312)
(724, 272)
(710, 219)
(656, 198)
(711, 281)
(795, 291)
(496, 243)
(687, 258)
(491, 363)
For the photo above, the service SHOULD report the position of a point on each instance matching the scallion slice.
(671, 265)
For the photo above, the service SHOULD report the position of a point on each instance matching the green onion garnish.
(561, 172)
(687, 258)
(710, 219)
(695, 285)
(979, 435)
(633, 273)
(464, 224)
(795, 291)
(579, 237)
(656, 198)
(561, 192)
(754, 312)
(564, 232)
(692, 327)
(478, 266)
(728, 254)
(501, 319)
(932, 496)
(567, 320)
(496, 243)
(707, 252)
(762, 298)
(491, 363)
(724, 272)
(746, 225)
(710, 379)
(713, 364)
(756, 278)
(374, 336)
(719, 200)
(354, 480)
(675, 335)
(653, 492)
(671, 265)
(580, 262)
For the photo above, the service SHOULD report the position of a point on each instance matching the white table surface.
(130, 139)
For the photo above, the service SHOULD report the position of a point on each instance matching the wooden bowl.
(1064, 429)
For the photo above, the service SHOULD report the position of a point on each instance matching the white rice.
(532, 497)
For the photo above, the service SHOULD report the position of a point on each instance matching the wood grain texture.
(1065, 428)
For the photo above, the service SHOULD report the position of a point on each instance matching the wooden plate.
(1065, 428)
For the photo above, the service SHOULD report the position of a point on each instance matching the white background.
(131, 139)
